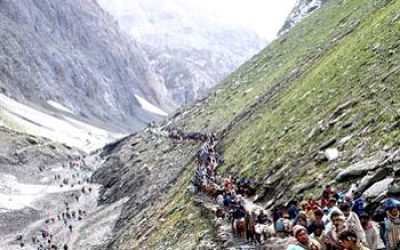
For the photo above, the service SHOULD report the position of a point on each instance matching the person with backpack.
(358, 204)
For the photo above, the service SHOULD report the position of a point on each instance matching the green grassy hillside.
(332, 81)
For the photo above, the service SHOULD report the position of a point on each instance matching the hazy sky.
(265, 17)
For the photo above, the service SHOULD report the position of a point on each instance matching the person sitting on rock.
(349, 241)
(303, 241)
(392, 224)
(353, 222)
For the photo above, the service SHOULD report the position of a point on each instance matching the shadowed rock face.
(72, 52)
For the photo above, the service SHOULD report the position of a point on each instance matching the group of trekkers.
(44, 238)
(336, 220)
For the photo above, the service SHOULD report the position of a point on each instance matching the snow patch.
(62, 129)
(15, 195)
(150, 107)
(59, 106)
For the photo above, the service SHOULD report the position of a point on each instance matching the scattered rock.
(362, 167)
(270, 180)
(327, 144)
(32, 140)
(372, 178)
(378, 188)
(303, 187)
(340, 110)
(344, 140)
(391, 127)
(331, 154)
(394, 190)
(396, 171)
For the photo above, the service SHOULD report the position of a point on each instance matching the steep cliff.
(73, 53)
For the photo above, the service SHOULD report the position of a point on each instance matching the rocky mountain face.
(317, 106)
(73, 53)
(189, 49)
(302, 9)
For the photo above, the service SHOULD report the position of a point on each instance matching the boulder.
(373, 177)
(361, 168)
(275, 177)
(378, 188)
(394, 190)
(396, 171)
(305, 186)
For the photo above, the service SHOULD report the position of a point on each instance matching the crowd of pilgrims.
(44, 238)
(336, 220)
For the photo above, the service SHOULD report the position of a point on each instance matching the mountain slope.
(329, 83)
(189, 48)
(72, 52)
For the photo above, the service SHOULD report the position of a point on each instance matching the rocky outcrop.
(73, 53)
(362, 167)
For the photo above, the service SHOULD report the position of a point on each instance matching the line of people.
(336, 220)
